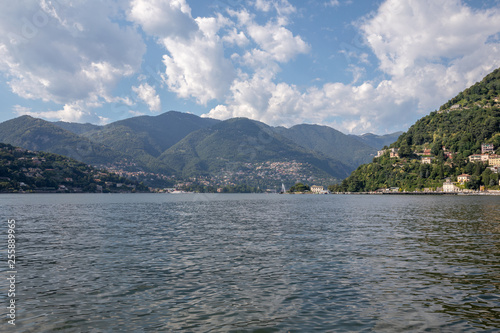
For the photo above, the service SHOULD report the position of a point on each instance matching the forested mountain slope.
(445, 144)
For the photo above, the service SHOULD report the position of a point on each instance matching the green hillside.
(152, 134)
(330, 142)
(40, 135)
(145, 138)
(242, 140)
(23, 170)
(446, 138)
(177, 145)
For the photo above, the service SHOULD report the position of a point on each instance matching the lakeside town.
(26, 171)
(32, 168)
(265, 176)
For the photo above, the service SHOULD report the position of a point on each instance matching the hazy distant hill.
(76, 128)
(378, 141)
(332, 143)
(245, 141)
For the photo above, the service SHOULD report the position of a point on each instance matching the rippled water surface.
(245, 263)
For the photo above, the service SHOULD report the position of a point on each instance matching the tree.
(354, 185)
(474, 183)
(436, 148)
(485, 177)
(405, 151)
(299, 187)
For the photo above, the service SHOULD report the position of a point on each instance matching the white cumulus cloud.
(148, 94)
(433, 49)
(195, 64)
(163, 18)
(69, 53)
(72, 112)
(277, 41)
(427, 50)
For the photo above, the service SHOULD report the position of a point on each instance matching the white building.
(487, 148)
(426, 160)
(475, 158)
(317, 189)
(449, 187)
(393, 152)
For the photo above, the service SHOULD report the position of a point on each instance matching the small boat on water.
(283, 189)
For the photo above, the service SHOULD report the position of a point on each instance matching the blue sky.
(358, 66)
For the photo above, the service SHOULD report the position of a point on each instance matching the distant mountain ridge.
(40, 135)
(187, 145)
(155, 133)
(245, 141)
(76, 128)
(378, 141)
(348, 149)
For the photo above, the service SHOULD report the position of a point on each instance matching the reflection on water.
(267, 263)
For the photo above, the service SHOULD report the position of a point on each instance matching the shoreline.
(421, 193)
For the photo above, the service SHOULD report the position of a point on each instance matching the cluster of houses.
(425, 155)
(449, 186)
(487, 156)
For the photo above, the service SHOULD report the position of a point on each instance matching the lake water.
(253, 263)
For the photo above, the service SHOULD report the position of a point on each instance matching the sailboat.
(283, 189)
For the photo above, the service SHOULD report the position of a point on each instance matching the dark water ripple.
(256, 263)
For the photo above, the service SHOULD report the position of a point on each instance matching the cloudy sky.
(356, 65)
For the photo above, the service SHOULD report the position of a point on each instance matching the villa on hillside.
(392, 155)
(426, 160)
(393, 152)
(494, 161)
(485, 158)
(463, 178)
(487, 148)
(475, 158)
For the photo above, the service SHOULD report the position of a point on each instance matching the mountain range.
(183, 144)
